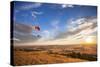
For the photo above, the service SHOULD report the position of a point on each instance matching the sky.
(60, 24)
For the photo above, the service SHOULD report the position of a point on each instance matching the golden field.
(51, 54)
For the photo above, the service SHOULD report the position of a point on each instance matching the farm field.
(51, 54)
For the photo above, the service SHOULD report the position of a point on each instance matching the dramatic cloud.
(23, 33)
(22, 28)
(78, 30)
(80, 27)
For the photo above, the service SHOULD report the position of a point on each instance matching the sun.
(89, 40)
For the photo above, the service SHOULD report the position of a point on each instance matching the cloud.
(67, 6)
(35, 13)
(46, 35)
(79, 28)
(55, 24)
(50, 34)
(83, 23)
(84, 27)
(15, 39)
(30, 6)
(27, 6)
(23, 33)
(22, 28)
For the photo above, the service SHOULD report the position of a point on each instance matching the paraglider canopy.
(37, 28)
